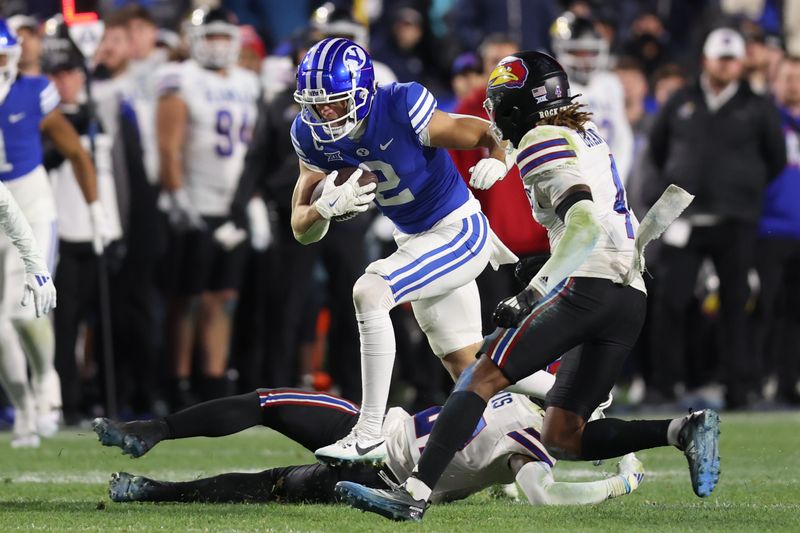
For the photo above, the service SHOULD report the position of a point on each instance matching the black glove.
(527, 267)
(511, 311)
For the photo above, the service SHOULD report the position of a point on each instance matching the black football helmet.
(523, 89)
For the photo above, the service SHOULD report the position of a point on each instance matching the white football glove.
(181, 213)
(39, 288)
(101, 230)
(258, 220)
(347, 198)
(229, 236)
(486, 173)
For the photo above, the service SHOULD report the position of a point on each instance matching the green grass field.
(62, 487)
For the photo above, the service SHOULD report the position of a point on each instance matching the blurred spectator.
(205, 114)
(505, 204)
(666, 80)
(253, 51)
(137, 328)
(584, 54)
(648, 43)
(634, 86)
(77, 268)
(722, 143)
(779, 249)
(643, 187)
(145, 60)
(525, 22)
(165, 13)
(409, 50)
(27, 29)
(764, 52)
(113, 53)
(467, 75)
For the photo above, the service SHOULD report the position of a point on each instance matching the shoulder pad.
(545, 148)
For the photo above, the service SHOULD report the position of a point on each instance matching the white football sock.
(418, 489)
(536, 385)
(377, 361)
(39, 341)
(14, 378)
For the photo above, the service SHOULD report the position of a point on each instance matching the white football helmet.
(214, 38)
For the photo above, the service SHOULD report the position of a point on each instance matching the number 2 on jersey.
(389, 183)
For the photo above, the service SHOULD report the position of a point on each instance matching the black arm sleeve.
(564, 205)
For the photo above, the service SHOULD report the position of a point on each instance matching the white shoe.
(631, 469)
(24, 435)
(353, 449)
(48, 422)
(30, 440)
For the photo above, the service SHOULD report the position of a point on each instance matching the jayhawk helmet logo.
(511, 72)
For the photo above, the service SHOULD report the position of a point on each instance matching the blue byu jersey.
(419, 185)
(28, 101)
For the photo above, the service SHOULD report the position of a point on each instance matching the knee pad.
(372, 293)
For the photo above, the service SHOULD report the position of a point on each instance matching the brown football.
(344, 175)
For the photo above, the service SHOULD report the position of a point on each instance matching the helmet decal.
(511, 72)
(355, 58)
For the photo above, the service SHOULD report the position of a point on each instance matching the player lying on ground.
(444, 240)
(504, 447)
(590, 293)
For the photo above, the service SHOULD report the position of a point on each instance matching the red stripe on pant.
(527, 322)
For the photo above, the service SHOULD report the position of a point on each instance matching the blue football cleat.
(395, 504)
(699, 440)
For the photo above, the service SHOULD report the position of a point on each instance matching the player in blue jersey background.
(444, 240)
(28, 108)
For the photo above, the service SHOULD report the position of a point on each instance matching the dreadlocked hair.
(571, 116)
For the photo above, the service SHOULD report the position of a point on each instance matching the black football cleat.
(134, 438)
(699, 440)
(394, 504)
(125, 487)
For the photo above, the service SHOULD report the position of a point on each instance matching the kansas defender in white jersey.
(584, 54)
(582, 296)
(28, 108)
(206, 111)
(444, 241)
(504, 448)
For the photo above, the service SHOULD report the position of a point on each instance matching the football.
(344, 175)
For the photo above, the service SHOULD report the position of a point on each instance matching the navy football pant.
(311, 419)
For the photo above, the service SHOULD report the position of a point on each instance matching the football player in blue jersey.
(28, 108)
(444, 241)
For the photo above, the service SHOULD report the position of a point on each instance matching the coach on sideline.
(723, 143)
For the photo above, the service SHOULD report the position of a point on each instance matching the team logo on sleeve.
(511, 73)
